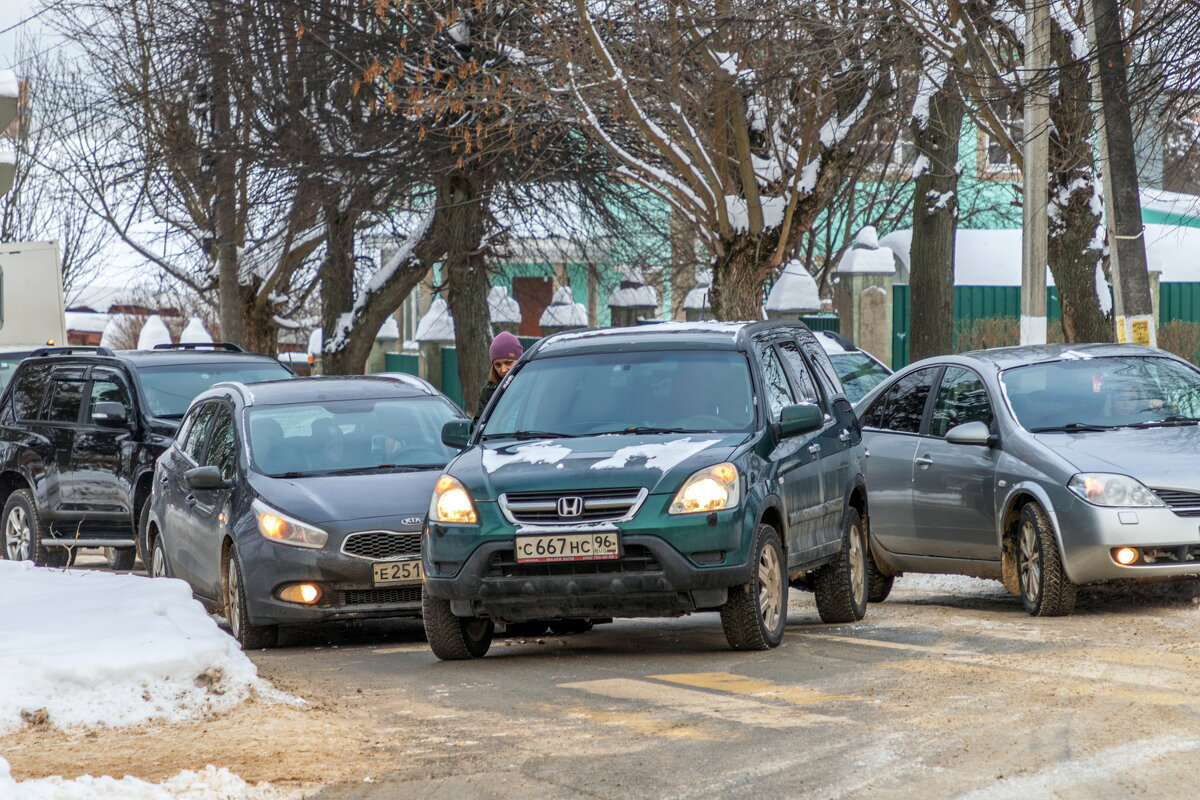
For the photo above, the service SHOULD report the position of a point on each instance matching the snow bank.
(154, 332)
(207, 784)
(97, 648)
(951, 584)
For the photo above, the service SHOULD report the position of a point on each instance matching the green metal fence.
(408, 363)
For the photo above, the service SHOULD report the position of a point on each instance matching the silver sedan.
(1046, 467)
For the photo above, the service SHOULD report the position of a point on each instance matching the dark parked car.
(657, 470)
(300, 501)
(80, 428)
(1046, 466)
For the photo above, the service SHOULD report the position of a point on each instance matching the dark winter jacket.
(485, 394)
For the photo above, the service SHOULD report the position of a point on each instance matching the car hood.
(341, 498)
(659, 462)
(1163, 457)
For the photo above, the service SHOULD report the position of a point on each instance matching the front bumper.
(1089, 533)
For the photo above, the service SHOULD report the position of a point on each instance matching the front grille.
(598, 505)
(637, 559)
(1185, 504)
(381, 545)
(370, 597)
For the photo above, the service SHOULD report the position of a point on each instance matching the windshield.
(345, 436)
(170, 389)
(859, 373)
(8, 365)
(649, 391)
(1103, 393)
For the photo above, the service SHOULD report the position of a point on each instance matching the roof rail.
(845, 343)
(229, 346)
(68, 350)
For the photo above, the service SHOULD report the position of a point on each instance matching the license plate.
(395, 573)
(568, 547)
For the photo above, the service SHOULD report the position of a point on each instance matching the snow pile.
(951, 584)
(632, 292)
(437, 325)
(97, 648)
(316, 342)
(865, 255)
(112, 329)
(195, 333)
(563, 311)
(502, 309)
(795, 290)
(154, 332)
(208, 784)
(390, 329)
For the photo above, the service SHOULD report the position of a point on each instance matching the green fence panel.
(1179, 301)
(408, 363)
(900, 321)
(822, 322)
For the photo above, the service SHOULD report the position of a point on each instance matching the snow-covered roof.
(796, 290)
(437, 325)
(632, 291)
(993, 257)
(86, 322)
(389, 329)
(316, 342)
(501, 307)
(195, 332)
(865, 255)
(697, 298)
(154, 332)
(9, 85)
(1170, 208)
(563, 311)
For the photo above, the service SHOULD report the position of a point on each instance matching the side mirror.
(975, 433)
(456, 432)
(109, 414)
(800, 418)
(205, 478)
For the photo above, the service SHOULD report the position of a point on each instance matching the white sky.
(11, 12)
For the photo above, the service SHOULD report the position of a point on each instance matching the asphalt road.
(946, 690)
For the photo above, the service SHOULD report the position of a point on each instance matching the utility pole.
(10, 95)
(1133, 307)
(224, 173)
(1035, 237)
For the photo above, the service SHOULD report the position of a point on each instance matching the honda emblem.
(570, 506)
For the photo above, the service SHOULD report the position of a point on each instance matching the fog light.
(1125, 555)
(305, 593)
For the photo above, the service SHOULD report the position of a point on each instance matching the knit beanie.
(505, 345)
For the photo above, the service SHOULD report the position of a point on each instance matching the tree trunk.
(740, 275)
(1074, 252)
(466, 276)
(225, 240)
(259, 332)
(935, 223)
(337, 293)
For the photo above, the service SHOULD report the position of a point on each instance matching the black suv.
(80, 430)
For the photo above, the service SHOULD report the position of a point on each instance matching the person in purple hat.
(504, 352)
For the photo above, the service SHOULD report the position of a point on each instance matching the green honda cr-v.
(651, 471)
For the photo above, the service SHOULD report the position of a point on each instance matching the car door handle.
(844, 437)
(814, 448)
(191, 499)
(923, 461)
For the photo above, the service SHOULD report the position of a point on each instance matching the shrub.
(980, 334)
(1181, 338)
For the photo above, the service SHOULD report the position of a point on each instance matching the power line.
(32, 17)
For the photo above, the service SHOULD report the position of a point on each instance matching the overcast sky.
(12, 12)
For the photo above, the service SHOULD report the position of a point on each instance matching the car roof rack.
(68, 350)
(227, 346)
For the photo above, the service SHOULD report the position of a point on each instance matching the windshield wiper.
(1072, 427)
(290, 475)
(529, 435)
(370, 468)
(1173, 419)
(646, 429)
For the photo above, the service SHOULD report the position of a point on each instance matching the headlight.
(451, 502)
(711, 489)
(278, 527)
(1103, 489)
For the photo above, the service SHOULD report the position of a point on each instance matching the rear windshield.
(591, 394)
(170, 389)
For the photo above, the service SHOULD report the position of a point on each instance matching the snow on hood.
(536, 453)
(97, 648)
(661, 456)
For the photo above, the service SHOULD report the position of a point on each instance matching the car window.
(107, 389)
(961, 398)
(820, 359)
(902, 406)
(27, 393)
(170, 389)
(802, 377)
(195, 436)
(859, 373)
(222, 444)
(66, 396)
(779, 393)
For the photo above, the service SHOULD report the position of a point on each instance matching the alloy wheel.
(158, 562)
(770, 588)
(1030, 562)
(233, 599)
(17, 538)
(858, 566)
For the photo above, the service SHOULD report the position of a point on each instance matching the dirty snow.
(209, 783)
(663, 456)
(535, 453)
(950, 584)
(102, 649)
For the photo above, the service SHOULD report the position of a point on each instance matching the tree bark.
(935, 223)
(740, 275)
(225, 238)
(337, 291)
(466, 276)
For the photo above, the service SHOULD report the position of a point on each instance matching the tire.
(879, 586)
(560, 627)
(454, 638)
(142, 534)
(24, 532)
(755, 615)
(120, 559)
(233, 589)
(535, 627)
(1045, 589)
(841, 585)
(158, 566)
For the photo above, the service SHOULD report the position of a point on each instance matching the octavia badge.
(570, 506)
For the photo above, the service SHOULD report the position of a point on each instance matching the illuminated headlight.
(451, 502)
(1103, 489)
(711, 489)
(278, 527)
